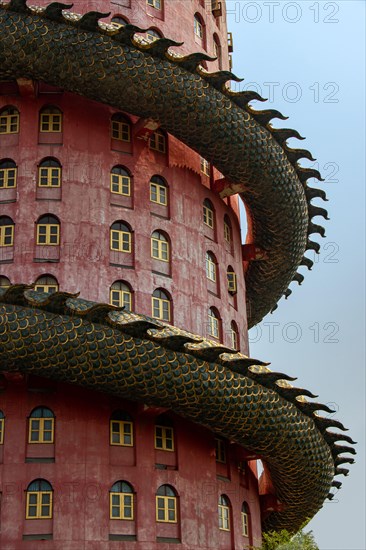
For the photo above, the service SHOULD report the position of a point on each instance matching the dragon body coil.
(133, 356)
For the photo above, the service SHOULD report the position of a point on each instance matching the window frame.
(227, 233)
(245, 523)
(158, 142)
(165, 437)
(120, 128)
(7, 233)
(119, 235)
(231, 282)
(2, 427)
(48, 236)
(123, 182)
(121, 506)
(121, 432)
(161, 192)
(41, 430)
(165, 508)
(213, 323)
(6, 176)
(205, 166)
(160, 306)
(39, 504)
(160, 249)
(156, 4)
(224, 515)
(220, 451)
(50, 173)
(54, 123)
(50, 287)
(198, 27)
(211, 267)
(208, 214)
(122, 294)
(6, 120)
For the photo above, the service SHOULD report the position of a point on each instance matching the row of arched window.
(51, 121)
(121, 294)
(122, 503)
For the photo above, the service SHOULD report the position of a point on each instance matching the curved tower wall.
(81, 464)
(86, 209)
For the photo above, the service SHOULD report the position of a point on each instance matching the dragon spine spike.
(292, 393)
(307, 263)
(339, 449)
(330, 496)
(19, 6)
(54, 11)
(312, 245)
(343, 460)
(317, 211)
(287, 293)
(309, 407)
(333, 436)
(265, 116)
(243, 98)
(312, 193)
(324, 423)
(306, 173)
(90, 20)
(341, 471)
(298, 278)
(294, 155)
(160, 47)
(336, 484)
(192, 61)
(314, 228)
(125, 34)
(281, 135)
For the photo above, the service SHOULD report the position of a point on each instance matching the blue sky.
(308, 58)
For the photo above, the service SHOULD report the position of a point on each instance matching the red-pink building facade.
(81, 465)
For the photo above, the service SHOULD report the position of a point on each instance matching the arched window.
(4, 282)
(121, 429)
(2, 426)
(120, 181)
(158, 141)
(120, 127)
(152, 35)
(231, 280)
(121, 295)
(245, 519)
(208, 214)
(161, 305)
(158, 190)
(211, 266)
(6, 231)
(164, 434)
(121, 501)
(119, 21)
(159, 246)
(157, 4)
(121, 237)
(48, 231)
(224, 513)
(9, 120)
(39, 500)
(47, 284)
(166, 505)
(199, 27)
(49, 173)
(50, 120)
(234, 335)
(213, 323)
(217, 50)
(227, 230)
(8, 174)
(41, 426)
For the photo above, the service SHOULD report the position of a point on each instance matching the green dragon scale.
(133, 356)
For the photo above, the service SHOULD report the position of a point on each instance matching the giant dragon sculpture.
(136, 357)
